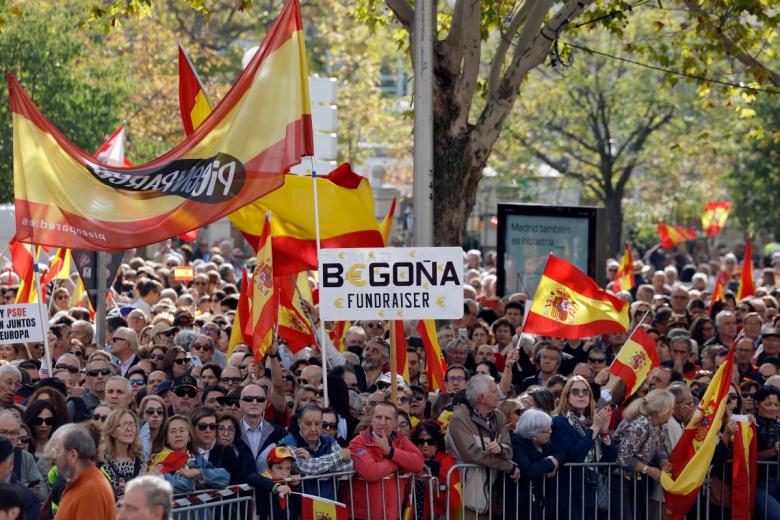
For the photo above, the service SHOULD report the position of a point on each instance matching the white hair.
(478, 385)
(158, 492)
(532, 423)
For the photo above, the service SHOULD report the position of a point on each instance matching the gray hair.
(130, 335)
(721, 316)
(478, 385)
(185, 338)
(88, 326)
(76, 437)
(679, 390)
(457, 343)
(532, 423)
(10, 369)
(123, 379)
(158, 492)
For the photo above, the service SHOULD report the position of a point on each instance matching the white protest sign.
(20, 323)
(391, 283)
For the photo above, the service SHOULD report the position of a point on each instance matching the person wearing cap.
(124, 347)
(162, 334)
(186, 394)
(379, 453)
(316, 454)
(770, 344)
(275, 486)
(32, 505)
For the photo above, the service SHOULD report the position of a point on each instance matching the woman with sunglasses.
(429, 439)
(176, 363)
(155, 354)
(122, 449)
(60, 300)
(747, 390)
(153, 412)
(55, 398)
(582, 434)
(227, 430)
(205, 425)
(178, 462)
(41, 418)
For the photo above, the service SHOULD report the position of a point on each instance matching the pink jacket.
(372, 467)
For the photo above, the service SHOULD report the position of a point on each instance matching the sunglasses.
(733, 397)
(289, 378)
(381, 385)
(597, 360)
(100, 418)
(153, 411)
(317, 392)
(226, 429)
(231, 380)
(748, 395)
(207, 348)
(580, 392)
(138, 382)
(181, 392)
(102, 372)
(374, 325)
(207, 426)
(38, 421)
(170, 333)
(425, 442)
(117, 338)
(24, 439)
(329, 425)
(227, 401)
(78, 353)
(181, 361)
(253, 398)
(72, 370)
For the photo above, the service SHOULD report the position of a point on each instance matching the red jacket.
(372, 467)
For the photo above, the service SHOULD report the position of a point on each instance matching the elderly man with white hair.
(10, 381)
(149, 497)
(124, 347)
(477, 434)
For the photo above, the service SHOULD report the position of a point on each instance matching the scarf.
(577, 422)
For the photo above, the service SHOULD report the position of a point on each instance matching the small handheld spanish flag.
(316, 508)
(569, 304)
(714, 217)
(636, 359)
(624, 278)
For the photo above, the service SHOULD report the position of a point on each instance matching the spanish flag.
(714, 217)
(316, 508)
(387, 223)
(338, 334)
(672, 235)
(635, 360)
(170, 461)
(434, 360)
(294, 326)
(624, 279)
(744, 470)
(194, 106)
(241, 318)
(398, 344)
(693, 453)
(347, 218)
(260, 129)
(263, 315)
(569, 304)
(746, 287)
(719, 292)
(59, 269)
(23, 262)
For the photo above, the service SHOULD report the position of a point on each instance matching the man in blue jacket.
(316, 454)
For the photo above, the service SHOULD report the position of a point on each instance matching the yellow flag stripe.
(586, 310)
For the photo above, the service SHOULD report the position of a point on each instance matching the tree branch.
(471, 46)
(505, 42)
(404, 12)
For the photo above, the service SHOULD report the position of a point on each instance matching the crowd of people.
(162, 408)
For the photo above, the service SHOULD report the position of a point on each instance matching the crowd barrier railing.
(232, 503)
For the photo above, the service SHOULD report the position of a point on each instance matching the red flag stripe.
(566, 274)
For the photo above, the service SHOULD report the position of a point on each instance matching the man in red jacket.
(380, 453)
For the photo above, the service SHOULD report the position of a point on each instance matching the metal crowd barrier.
(232, 503)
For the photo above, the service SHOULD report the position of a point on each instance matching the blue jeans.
(767, 506)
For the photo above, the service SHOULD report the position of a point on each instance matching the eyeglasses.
(181, 392)
(207, 348)
(127, 425)
(154, 411)
(181, 361)
(61, 297)
(733, 397)
(226, 429)
(329, 425)
(256, 398)
(96, 372)
(454, 379)
(748, 395)
(289, 378)
(419, 398)
(72, 370)
(381, 385)
(169, 333)
(372, 325)
(230, 380)
(156, 357)
(78, 353)
(207, 426)
(24, 439)
(38, 421)
(580, 392)
(210, 331)
(9, 433)
(138, 382)
(425, 442)
(117, 338)
(100, 418)
(597, 360)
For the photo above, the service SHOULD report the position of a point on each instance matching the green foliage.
(82, 96)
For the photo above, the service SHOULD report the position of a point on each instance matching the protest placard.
(391, 283)
(21, 323)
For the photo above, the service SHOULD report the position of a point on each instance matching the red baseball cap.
(278, 454)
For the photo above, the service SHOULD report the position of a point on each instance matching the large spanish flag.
(434, 360)
(672, 235)
(693, 453)
(714, 217)
(263, 315)
(316, 508)
(346, 218)
(744, 470)
(569, 304)
(262, 127)
(23, 264)
(624, 278)
(635, 360)
(746, 286)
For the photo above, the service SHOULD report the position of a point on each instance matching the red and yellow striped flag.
(241, 318)
(624, 278)
(263, 315)
(693, 453)
(387, 224)
(59, 269)
(194, 106)
(435, 364)
(23, 262)
(714, 217)
(338, 334)
(294, 326)
(746, 286)
(635, 360)
(316, 508)
(719, 292)
(672, 235)
(569, 304)
(398, 344)
(744, 470)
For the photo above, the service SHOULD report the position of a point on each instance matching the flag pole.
(323, 354)
(393, 363)
(47, 352)
(320, 342)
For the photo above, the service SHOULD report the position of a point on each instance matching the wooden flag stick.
(393, 364)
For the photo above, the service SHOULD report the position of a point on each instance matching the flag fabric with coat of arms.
(624, 278)
(263, 314)
(714, 217)
(672, 235)
(435, 364)
(692, 455)
(316, 508)
(294, 326)
(241, 319)
(635, 360)
(569, 304)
